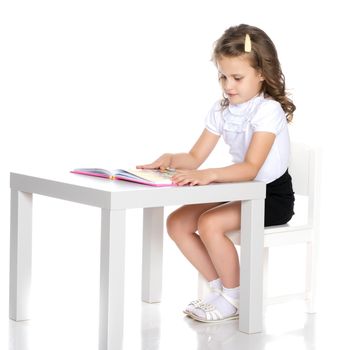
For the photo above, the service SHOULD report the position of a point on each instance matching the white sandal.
(213, 315)
(192, 305)
(197, 303)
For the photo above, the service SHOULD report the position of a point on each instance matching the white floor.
(162, 327)
(65, 295)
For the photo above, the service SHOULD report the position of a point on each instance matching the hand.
(162, 163)
(193, 177)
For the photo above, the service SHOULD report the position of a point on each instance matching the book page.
(151, 175)
(94, 171)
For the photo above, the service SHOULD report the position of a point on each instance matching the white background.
(114, 84)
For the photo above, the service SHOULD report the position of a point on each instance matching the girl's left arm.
(256, 155)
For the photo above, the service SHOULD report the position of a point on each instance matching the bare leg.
(211, 252)
(182, 225)
(212, 226)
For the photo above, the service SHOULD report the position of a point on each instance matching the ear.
(261, 77)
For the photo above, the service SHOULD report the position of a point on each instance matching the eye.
(237, 78)
(222, 77)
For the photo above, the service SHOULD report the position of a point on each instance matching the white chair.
(305, 171)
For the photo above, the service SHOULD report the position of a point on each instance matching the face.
(239, 80)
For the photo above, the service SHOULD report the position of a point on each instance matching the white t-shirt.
(237, 123)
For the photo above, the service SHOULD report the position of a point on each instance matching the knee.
(174, 226)
(208, 227)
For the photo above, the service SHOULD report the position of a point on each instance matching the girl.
(252, 118)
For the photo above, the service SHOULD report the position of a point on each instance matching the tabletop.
(118, 194)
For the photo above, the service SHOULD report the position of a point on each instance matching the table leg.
(20, 254)
(112, 279)
(152, 254)
(251, 284)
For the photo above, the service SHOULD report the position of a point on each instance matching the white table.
(114, 198)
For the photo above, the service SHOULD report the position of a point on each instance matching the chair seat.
(280, 235)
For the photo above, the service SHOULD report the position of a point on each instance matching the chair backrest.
(305, 171)
(302, 168)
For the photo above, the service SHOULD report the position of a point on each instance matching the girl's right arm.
(191, 160)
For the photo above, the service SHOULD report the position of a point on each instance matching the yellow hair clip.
(247, 44)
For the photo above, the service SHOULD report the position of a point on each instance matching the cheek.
(256, 83)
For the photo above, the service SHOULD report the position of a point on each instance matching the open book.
(151, 177)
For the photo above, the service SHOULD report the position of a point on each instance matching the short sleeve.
(213, 121)
(270, 117)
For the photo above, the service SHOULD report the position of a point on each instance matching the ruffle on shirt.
(237, 117)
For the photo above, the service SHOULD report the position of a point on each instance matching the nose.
(229, 84)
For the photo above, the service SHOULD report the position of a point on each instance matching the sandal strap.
(211, 312)
(196, 303)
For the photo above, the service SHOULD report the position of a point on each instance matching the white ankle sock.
(222, 305)
(231, 292)
(215, 284)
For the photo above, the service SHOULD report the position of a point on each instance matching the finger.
(163, 167)
(181, 174)
(180, 179)
(176, 179)
(185, 181)
(149, 166)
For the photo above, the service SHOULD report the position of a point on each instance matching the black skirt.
(279, 202)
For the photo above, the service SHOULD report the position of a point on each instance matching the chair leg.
(311, 276)
(266, 277)
(203, 288)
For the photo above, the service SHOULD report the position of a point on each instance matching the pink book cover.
(154, 177)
